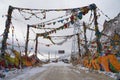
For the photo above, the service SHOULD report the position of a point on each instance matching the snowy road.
(66, 72)
(55, 71)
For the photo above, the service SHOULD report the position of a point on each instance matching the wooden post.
(36, 45)
(97, 33)
(6, 31)
(27, 37)
(12, 38)
(78, 38)
(86, 47)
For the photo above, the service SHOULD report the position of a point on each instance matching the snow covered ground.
(26, 73)
(110, 74)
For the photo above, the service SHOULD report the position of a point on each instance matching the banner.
(61, 51)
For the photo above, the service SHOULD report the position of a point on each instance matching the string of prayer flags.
(39, 14)
(68, 10)
(92, 6)
(84, 10)
(41, 25)
(72, 19)
(75, 12)
(66, 25)
(63, 37)
(79, 15)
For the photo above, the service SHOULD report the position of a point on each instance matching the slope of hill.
(112, 25)
(112, 29)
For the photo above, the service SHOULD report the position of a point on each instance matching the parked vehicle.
(65, 60)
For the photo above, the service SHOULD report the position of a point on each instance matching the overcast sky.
(109, 7)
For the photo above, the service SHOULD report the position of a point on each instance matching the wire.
(104, 14)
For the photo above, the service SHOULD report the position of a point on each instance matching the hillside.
(112, 30)
(112, 25)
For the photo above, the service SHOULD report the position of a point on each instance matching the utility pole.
(6, 31)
